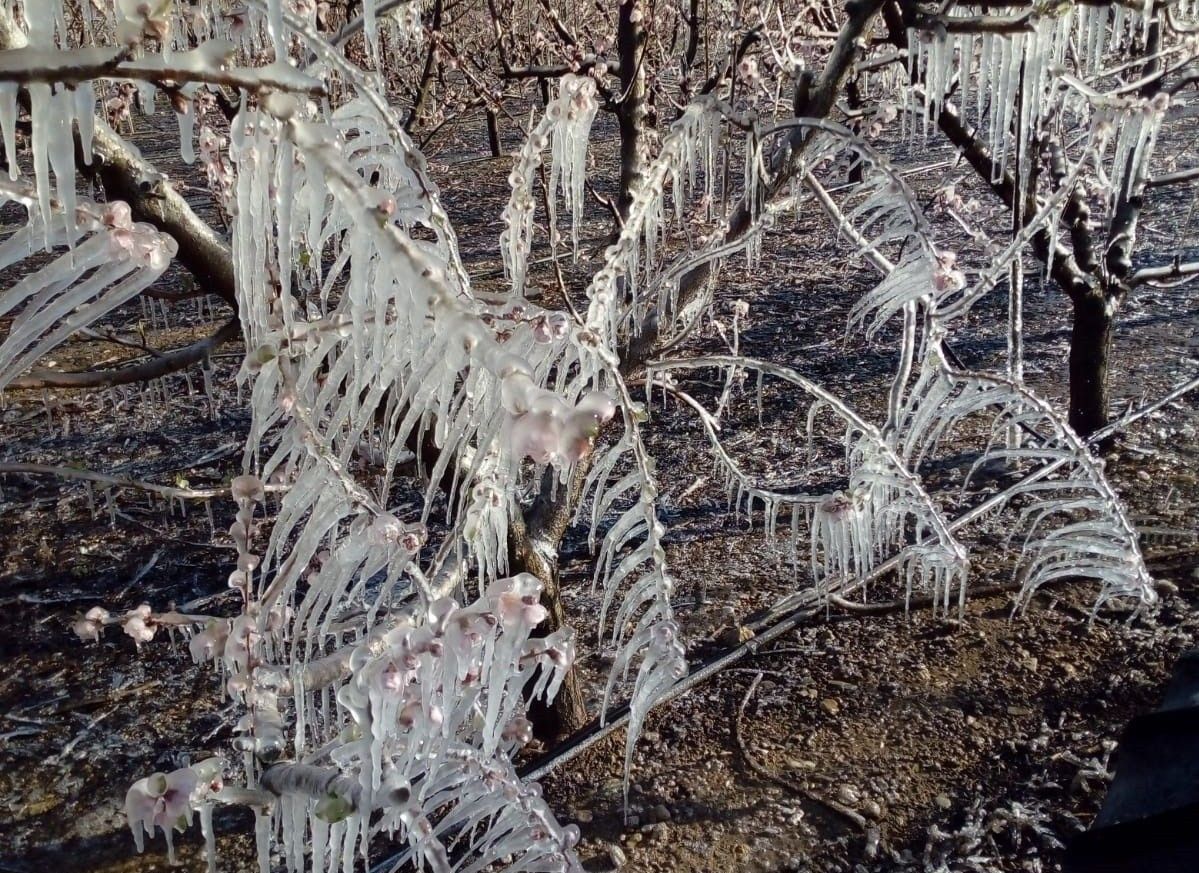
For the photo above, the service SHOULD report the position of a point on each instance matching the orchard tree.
(391, 668)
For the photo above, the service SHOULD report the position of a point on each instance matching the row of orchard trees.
(390, 668)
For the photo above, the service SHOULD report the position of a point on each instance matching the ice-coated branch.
(206, 64)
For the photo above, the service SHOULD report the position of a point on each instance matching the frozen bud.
(239, 580)
(413, 538)
(838, 506)
(248, 562)
(260, 357)
(541, 330)
(138, 628)
(159, 28)
(578, 436)
(117, 214)
(949, 279)
(550, 326)
(513, 608)
(385, 529)
(281, 105)
(517, 392)
(391, 679)
(87, 630)
(333, 809)
(536, 435)
(409, 714)
(97, 614)
(248, 488)
(1160, 102)
(519, 730)
(597, 405)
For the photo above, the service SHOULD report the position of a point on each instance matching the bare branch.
(163, 364)
(1175, 178)
(1177, 269)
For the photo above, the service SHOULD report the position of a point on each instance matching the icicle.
(85, 116)
(275, 28)
(8, 125)
(40, 98)
(370, 27)
(262, 837)
(187, 128)
(146, 92)
(209, 836)
(62, 155)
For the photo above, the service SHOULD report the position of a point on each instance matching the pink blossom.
(248, 488)
(160, 801)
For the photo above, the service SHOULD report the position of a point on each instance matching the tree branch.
(72, 67)
(1173, 270)
(165, 363)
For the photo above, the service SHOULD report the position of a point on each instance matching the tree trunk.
(493, 133)
(1090, 348)
(568, 711)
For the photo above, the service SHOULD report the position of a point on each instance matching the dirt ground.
(980, 745)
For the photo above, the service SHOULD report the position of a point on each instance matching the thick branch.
(75, 66)
(1175, 178)
(1177, 269)
(169, 362)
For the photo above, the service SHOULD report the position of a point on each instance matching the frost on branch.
(565, 128)
(109, 260)
(1076, 526)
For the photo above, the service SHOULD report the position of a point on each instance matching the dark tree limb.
(164, 364)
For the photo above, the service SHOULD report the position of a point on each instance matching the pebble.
(617, 856)
(831, 706)
(659, 813)
(735, 635)
(848, 795)
(943, 801)
(871, 809)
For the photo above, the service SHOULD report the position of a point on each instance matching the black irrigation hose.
(1148, 818)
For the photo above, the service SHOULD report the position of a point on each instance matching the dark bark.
(493, 133)
(421, 96)
(169, 362)
(533, 542)
(1090, 350)
(152, 199)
